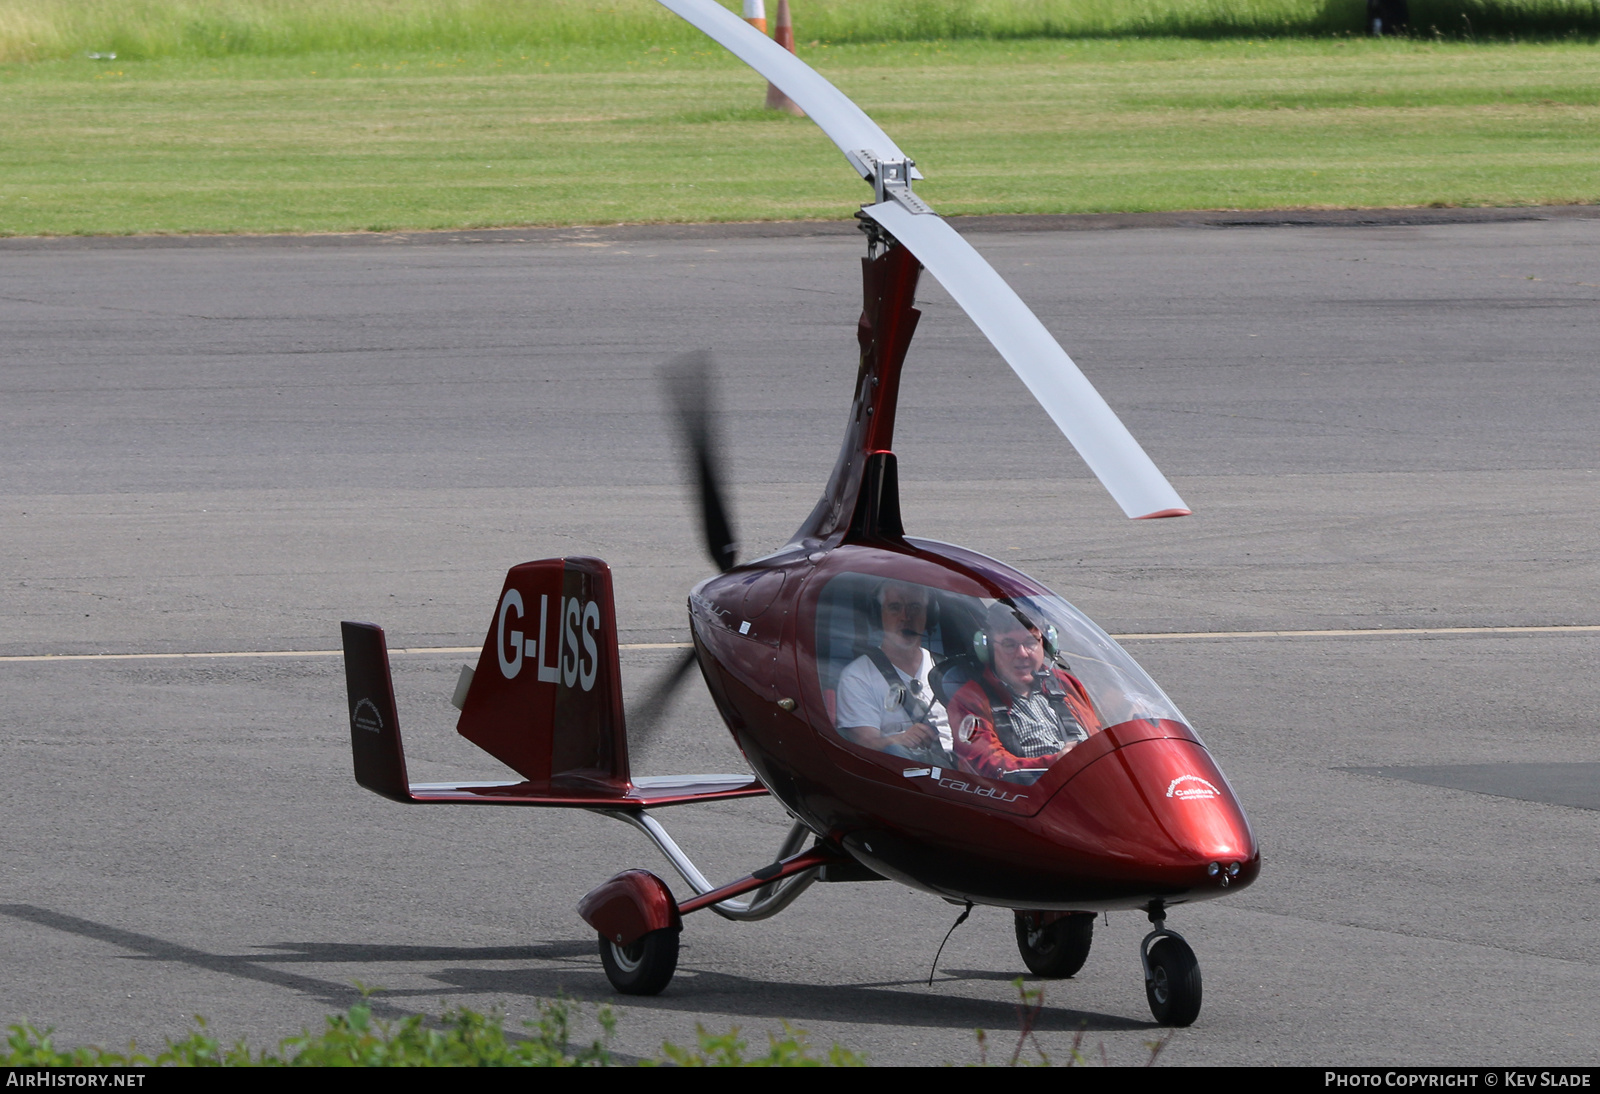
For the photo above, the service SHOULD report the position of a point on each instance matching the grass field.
(147, 29)
(561, 133)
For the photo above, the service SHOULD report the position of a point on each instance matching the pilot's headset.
(1001, 612)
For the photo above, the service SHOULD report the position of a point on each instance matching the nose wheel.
(1171, 974)
(1056, 947)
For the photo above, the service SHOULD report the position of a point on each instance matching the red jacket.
(978, 748)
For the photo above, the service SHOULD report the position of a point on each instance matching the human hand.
(918, 735)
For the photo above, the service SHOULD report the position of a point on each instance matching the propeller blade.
(688, 381)
(652, 709)
(845, 123)
(1065, 393)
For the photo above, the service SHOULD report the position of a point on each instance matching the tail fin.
(374, 726)
(546, 699)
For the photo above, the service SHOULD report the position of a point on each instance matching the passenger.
(1018, 716)
(883, 699)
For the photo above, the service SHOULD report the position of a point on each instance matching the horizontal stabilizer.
(647, 792)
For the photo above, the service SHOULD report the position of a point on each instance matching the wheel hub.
(628, 958)
(1158, 985)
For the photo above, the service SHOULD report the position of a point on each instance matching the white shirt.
(863, 699)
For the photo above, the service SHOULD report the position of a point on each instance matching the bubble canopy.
(903, 633)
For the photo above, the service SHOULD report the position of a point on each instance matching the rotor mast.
(862, 498)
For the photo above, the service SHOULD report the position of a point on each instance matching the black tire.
(1056, 950)
(644, 968)
(1174, 985)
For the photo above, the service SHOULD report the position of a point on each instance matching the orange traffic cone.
(784, 33)
(755, 13)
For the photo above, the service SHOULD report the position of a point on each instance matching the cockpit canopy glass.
(997, 686)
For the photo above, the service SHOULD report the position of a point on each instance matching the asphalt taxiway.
(1381, 619)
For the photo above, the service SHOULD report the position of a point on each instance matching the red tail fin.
(546, 698)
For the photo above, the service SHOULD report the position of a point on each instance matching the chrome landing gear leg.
(1171, 973)
(767, 901)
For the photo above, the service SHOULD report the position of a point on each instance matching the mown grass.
(383, 140)
(147, 29)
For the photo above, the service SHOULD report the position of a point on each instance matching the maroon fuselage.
(1137, 814)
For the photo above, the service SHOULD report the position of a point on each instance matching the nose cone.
(1159, 811)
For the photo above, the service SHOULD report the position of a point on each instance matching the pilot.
(883, 698)
(1017, 715)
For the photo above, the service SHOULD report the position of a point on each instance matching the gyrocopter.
(924, 713)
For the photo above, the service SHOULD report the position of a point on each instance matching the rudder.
(380, 761)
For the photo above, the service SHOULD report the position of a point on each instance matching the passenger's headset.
(981, 650)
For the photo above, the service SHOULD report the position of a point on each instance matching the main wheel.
(1174, 985)
(1058, 949)
(644, 968)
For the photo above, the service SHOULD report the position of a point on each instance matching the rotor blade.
(689, 382)
(845, 123)
(1065, 393)
(653, 708)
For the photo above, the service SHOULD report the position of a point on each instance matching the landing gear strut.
(1171, 973)
(637, 905)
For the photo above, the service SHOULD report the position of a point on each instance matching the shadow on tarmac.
(581, 978)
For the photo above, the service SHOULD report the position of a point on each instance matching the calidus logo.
(943, 778)
(1192, 788)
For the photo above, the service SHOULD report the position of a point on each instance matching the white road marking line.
(1153, 636)
(1358, 632)
(234, 654)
